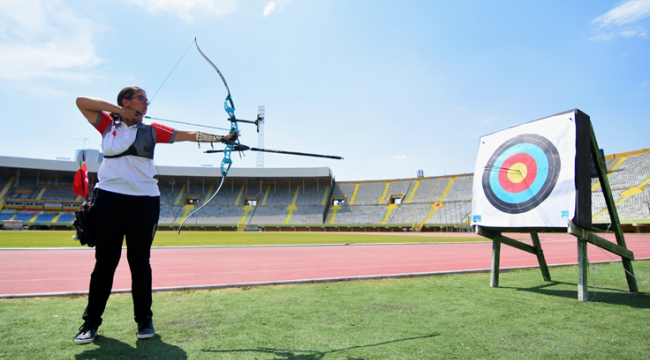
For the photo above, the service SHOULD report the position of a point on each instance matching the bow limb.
(228, 104)
(226, 162)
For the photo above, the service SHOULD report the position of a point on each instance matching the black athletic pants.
(115, 216)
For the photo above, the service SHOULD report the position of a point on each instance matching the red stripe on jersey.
(104, 122)
(164, 133)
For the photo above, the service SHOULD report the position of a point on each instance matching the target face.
(521, 173)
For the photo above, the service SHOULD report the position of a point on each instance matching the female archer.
(126, 202)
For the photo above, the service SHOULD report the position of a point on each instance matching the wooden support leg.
(620, 250)
(613, 213)
(540, 256)
(583, 267)
(629, 275)
(496, 256)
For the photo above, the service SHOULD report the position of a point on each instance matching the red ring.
(531, 173)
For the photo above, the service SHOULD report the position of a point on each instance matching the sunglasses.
(142, 99)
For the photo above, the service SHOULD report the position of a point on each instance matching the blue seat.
(6, 216)
(66, 218)
(24, 217)
(45, 218)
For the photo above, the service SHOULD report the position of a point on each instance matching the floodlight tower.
(260, 135)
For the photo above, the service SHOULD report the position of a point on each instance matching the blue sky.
(392, 86)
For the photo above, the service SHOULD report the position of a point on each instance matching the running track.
(49, 272)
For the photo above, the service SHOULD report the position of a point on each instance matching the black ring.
(554, 167)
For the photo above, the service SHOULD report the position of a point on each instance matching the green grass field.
(52, 239)
(438, 317)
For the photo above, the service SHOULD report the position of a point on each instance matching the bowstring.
(170, 73)
(154, 95)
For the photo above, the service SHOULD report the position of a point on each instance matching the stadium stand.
(430, 190)
(409, 214)
(269, 215)
(304, 215)
(7, 214)
(360, 214)
(275, 194)
(218, 215)
(25, 215)
(344, 190)
(58, 193)
(452, 213)
(65, 218)
(40, 195)
(461, 189)
(230, 194)
(401, 187)
(45, 218)
(4, 182)
(631, 172)
(370, 193)
(312, 194)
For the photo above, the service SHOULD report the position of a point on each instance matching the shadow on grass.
(290, 354)
(639, 300)
(153, 348)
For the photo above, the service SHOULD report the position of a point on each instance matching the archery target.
(521, 173)
(525, 175)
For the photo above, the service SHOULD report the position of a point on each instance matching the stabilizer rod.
(245, 148)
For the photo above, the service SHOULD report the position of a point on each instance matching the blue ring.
(549, 166)
(542, 173)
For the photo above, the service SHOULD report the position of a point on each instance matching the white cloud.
(187, 9)
(269, 8)
(626, 13)
(623, 21)
(399, 157)
(275, 6)
(44, 40)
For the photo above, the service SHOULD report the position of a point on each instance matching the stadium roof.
(73, 166)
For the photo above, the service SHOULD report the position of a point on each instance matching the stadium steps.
(634, 190)
(241, 226)
(57, 216)
(391, 207)
(186, 211)
(266, 195)
(65, 218)
(6, 216)
(24, 217)
(383, 195)
(33, 218)
(41, 193)
(389, 210)
(327, 191)
(239, 196)
(334, 210)
(45, 217)
(439, 203)
(291, 208)
(354, 194)
(180, 195)
(415, 190)
(611, 171)
(5, 190)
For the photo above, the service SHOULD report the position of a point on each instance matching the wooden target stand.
(583, 236)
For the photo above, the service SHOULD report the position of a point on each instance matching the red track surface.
(58, 272)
